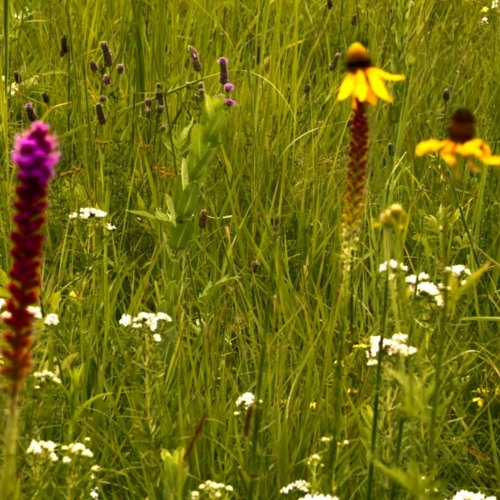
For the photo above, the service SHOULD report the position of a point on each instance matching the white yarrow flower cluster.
(51, 319)
(318, 496)
(76, 449)
(397, 344)
(246, 400)
(88, 213)
(45, 375)
(298, 485)
(393, 265)
(212, 490)
(145, 319)
(469, 495)
(421, 286)
(43, 448)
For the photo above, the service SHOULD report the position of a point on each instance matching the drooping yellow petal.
(492, 160)
(449, 157)
(390, 76)
(430, 146)
(347, 87)
(377, 83)
(371, 97)
(361, 86)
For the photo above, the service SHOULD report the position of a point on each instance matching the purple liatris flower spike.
(35, 155)
(224, 77)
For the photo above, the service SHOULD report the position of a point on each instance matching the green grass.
(273, 186)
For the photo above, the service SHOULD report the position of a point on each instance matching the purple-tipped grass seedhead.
(106, 79)
(120, 68)
(107, 55)
(93, 66)
(230, 102)
(36, 156)
(228, 87)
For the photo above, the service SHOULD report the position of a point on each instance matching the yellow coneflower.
(460, 142)
(363, 81)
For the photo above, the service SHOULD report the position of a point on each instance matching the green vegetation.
(228, 219)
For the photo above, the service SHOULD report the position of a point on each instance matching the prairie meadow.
(250, 250)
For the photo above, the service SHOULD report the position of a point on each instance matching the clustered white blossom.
(298, 485)
(420, 284)
(43, 448)
(45, 375)
(145, 319)
(318, 496)
(397, 344)
(87, 213)
(35, 311)
(469, 495)
(48, 449)
(212, 489)
(247, 399)
(393, 266)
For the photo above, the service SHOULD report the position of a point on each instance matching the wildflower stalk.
(35, 155)
(354, 198)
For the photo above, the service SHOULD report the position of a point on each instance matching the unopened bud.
(106, 53)
(64, 46)
(30, 112)
(195, 58)
(101, 117)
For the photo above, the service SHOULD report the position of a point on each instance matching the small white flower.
(34, 448)
(110, 227)
(393, 265)
(299, 485)
(318, 496)
(484, 20)
(125, 320)
(87, 453)
(2, 303)
(51, 319)
(469, 495)
(66, 460)
(94, 493)
(195, 495)
(247, 399)
(53, 457)
(35, 311)
(45, 375)
(412, 278)
(95, 468)
(157, 337)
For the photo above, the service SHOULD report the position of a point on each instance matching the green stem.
(9, 490)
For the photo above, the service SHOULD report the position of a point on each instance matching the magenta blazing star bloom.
(35, 154)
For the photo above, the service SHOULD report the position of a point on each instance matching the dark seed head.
(106, 53)
(101, 117)
(45, 97)
(446, 94)
(64, 46)
(202, 221)
(93, 66)
(106, 79)
(120, 68)
(103, 98)
(335, 61)
(17, 77)
(30, 112)
(195, 58)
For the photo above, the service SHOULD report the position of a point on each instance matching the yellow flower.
(363, 81)
(460, 142)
